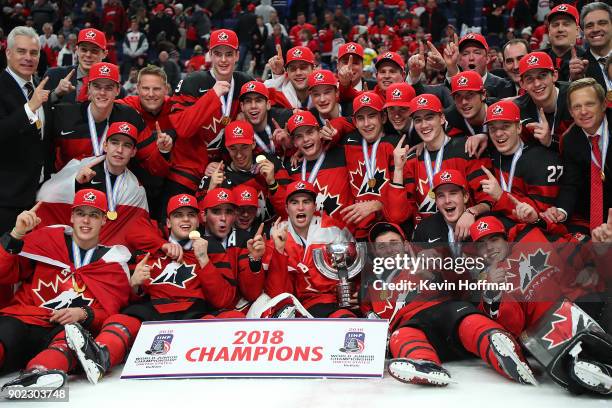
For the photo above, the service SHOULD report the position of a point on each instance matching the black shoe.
(418, 372)
(93, 357)
(592, 375)
(507, 351)
(37, 378)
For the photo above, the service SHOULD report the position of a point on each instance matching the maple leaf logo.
(359, 180)
(498, 110)
(104, 70)
(562, 7)
(174, 274)
(570, 320)
(325, 201)
(529, 267)
(90, 35)
(60, 294)
(319, 76)
(396, 94)
(533, 60)
(223, 36)
(351, 48)
(125, 128)
(427, 205)
(184, 200)
(462, 81)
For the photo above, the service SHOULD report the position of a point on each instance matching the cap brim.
(310, 193)
(383, 227)
(400, 104)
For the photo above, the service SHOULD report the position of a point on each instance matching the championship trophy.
(347, 260)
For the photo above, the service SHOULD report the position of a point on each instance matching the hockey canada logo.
(104, 70)
(562, 7)
(298, 119)
(482, 226)
(161, 344)
(532, 60)
(396, 94)
(184, 200)
(462, 81)
(222, 195)
(422, 101)
(125, 128)
(351, 48)
(238, 131)
(319, 77)
(297, 53)
(567, 321)
(246, 195)
(498, 110)
(250, 87)
(365, 99)
(446, 176)
(90, 197)
(90, 35)
(354, 343)
(223, 36)
(300, 186)
(470, 36)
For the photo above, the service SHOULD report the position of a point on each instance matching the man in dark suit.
(69, 84)
(25, 150)
(586, 185)
(597, 25)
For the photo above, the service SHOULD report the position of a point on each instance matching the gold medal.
(609, 95)
(432, 195)
(194, 235)
(372, 183)
(111, 215)
(76, 287)
(225, 120)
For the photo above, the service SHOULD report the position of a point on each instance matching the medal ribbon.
(112, 191)
(370, 162)
(315, 168)
(427, 159)
(96, 141)
(508, 187)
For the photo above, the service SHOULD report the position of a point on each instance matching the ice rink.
(477, 386)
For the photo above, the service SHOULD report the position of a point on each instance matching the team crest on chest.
(60, 294)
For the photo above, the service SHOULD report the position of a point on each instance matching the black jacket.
(58, 73)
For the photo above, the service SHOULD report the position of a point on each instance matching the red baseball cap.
(255, 87)
(246, 196)
(239, 132)
(104, 70)
(450, 176)
(486, 226)
(299, 119)
(393, 57)
(382, 227)
(322, 77)
(503, 110)
(350, 48)
(223, 37)
(91, 35)
(123, 128)
(301, 187)
(473, 37)
(425, 102)
(564, 9)
(368, 100)
(300, 54)
(91, 198)
(535, 60)
(217, 196)
(180, 201)
(399, 94)
(467, 81)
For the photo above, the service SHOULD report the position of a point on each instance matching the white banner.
(351, 348)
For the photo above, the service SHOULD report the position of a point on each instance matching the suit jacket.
(594, 69)
(575, 194)
(58, 73)
(23, 154)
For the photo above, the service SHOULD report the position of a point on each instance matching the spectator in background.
(259, 35)
(294, 33)
(171, 68)
(494, 10)
(433, 20)
(17, 17)
(66, 56)
(197, 61)
(200, 21)
(49, 44)
(162, 22)
(111, 42)
(277, 37)
(67, 27)
(344, 24)
(264, 10)
(358, 29)
(274, 20)
(512, 53)
(42, 12)
(306, 40)
(135, 45)
(244, 26)
(130, 86)
(90, 13)
(114, 12)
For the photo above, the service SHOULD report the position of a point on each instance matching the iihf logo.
(222, 195)
(365, 99)
(351, 48)
(297, 53)
(91, 197)
(223, 36)
(498, 110)
(422, 101)
(319, 76)
(246, 195)
(482, 226)
(238, 131)
(562, 7)
(125, 128)
(90, 35)
(184, 200)
(250, 87)
(396, 94)
(446, 176)
(104, 70)
(298, 119)
(300, 186)
(532, 60)
(161, 344)
(462, 81)
(354, 343)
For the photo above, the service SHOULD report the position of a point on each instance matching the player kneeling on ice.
(575, 350)
(202, 284)
(65, 277)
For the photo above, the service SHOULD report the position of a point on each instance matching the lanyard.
(322, 121)
(603, 131)
(471, 129)
(262, 145)
(455, 247)
(515, 158)
(427, 159)
(370, 162)
(315, 168)
(188, 246)
(226, 100)
(96, 141)
(76, 256)
(112, 191)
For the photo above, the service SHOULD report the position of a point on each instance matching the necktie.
(30, 88)
(596, 186)
(82, 97)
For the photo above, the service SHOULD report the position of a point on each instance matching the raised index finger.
(279, 51)
(401, 141)
(260, 229)
(574, 56)
(70, 74)
(350, 60)
(609, 222)
(543, 116)
(514, 199)
(487, 172)
(36, 206)
(276, 125)
(43, 83)
(145, 259)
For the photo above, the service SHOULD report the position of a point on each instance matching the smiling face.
(182, 221)
(369, 122)
(255, 108)
(223, 60)
(308, 141)
(324, 98)
(300, 209)
(389, 244)
(429, 125)
(451, 201)
(563, 31)
(388, 73)
(241, 155)
(598, 29)
(151, 91)
(512, 55)
(469, 103)
(473, 58)
(89, 54)
(245, 215)
(506, 135)
(119, 150)
(86, 225)
(493, 248)
(586, 109)
(219, 220)
(23, 57)
(540, 85)
(297, 73)
(102, 93)
(356, 68)
(399, 116)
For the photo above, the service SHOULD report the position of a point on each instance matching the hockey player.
(323, 90)
(79, 130)
(246, 208)
(528, 172)
(292, 269)
(575, 350)
(66, 277)
(291, 77)
(354, 64)
(411, 190)
(397, 105)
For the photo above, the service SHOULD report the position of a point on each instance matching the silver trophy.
(347, 260)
